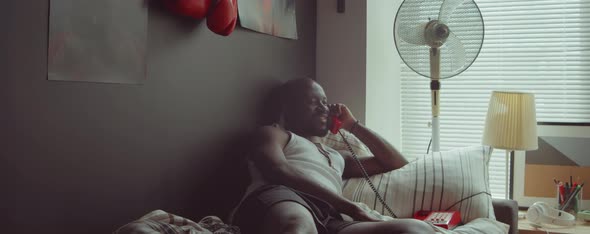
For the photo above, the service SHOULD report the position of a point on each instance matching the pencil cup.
(569, 201)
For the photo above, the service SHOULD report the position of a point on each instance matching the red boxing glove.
(223, 17)
(192, 8)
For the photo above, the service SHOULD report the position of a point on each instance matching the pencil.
(570, 198)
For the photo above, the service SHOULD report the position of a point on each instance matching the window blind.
(538, 46)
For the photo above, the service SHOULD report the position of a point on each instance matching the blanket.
(159, 221)
(480, 225)
(477, 225)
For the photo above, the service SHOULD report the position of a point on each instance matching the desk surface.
(525, 227)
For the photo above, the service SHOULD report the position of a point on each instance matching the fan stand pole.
(435, 94)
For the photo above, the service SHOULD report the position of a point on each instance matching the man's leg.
(288, 217)
(394, 226)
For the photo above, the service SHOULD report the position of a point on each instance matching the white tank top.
(306, 157)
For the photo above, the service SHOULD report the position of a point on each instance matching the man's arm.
(386, 157)
(269, 158)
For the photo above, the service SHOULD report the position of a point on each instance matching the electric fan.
(438, 39)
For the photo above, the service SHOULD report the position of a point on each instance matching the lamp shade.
(511, 121)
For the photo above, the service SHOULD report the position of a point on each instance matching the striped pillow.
(454, 180)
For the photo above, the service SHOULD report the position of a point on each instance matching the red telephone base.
(444, 219)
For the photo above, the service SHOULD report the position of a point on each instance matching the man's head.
(305, 107)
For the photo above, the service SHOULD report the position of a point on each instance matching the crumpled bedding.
(159, 221)
(480, 225)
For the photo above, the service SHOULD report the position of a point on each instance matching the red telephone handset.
(335, 124)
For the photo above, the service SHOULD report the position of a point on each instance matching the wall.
(89, 157)
(340, 54)
(357, 62)
(383, 104)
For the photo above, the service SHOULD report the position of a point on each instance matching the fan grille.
(466, 23)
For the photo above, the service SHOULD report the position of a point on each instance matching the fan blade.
(447, 9)
(457, 52)
(413, 35)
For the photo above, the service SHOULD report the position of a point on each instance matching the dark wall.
(88, 157)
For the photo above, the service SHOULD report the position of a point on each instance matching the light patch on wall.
(97, 41)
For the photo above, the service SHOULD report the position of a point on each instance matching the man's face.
(309, 112)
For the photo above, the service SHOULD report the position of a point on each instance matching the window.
(539, 46)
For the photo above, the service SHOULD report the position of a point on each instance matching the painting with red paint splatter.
(274, 17)
(97, 41)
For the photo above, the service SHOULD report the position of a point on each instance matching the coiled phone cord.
(360, 165)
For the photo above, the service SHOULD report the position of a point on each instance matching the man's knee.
(289, 217)
(297, 224)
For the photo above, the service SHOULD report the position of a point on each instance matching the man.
(296, 181)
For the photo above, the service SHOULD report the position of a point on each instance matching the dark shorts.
(251, 212)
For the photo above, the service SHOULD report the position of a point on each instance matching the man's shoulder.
(271, 129)
(271, 133)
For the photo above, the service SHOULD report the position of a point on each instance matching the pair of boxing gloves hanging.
(222, 15)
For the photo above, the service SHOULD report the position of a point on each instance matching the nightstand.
(525, 227)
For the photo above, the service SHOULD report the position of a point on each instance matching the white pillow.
(454, 180)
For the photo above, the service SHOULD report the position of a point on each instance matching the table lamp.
(511, 124)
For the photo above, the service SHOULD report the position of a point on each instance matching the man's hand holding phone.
(343, 113)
